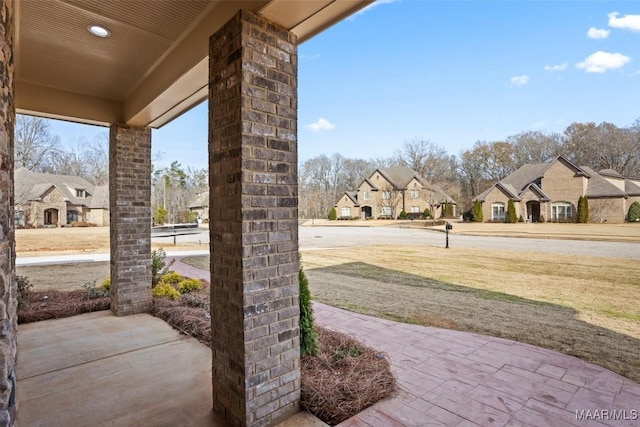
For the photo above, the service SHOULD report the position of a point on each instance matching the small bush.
(426, 213)
(172, 278)
(308, 335)
(477, 211)
(106, 284)
(82, 224)
(159, 266)
(93, 291)
(541, 220)
(165, 290)
(511, 212)
(634, 212)
(583, 210)
(188, 285)
(333, 215)
(403, 215)
(24, 287)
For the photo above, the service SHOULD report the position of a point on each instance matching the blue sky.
(452, 72)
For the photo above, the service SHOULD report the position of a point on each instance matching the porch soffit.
(154, 65)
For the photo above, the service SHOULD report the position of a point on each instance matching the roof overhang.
(151, 69)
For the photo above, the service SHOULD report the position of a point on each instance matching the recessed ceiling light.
(99, 31)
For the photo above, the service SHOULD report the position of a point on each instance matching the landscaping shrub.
(583, 210)
(426, 213)
(333, 215)
(106, 284)
(159, 266)
(308, 336)
(82, 224)
(541, 220)
(189, 285)
(403, 215)
(634, 212)
(24, 287)
(165, 290)
(171, 277)
(93, 292)
(512, 218)
(477, 211)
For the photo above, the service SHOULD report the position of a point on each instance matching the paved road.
(332, 237)
(338, 237)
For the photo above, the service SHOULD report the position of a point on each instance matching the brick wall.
(130, 213)
(253, 214)
(8, 302)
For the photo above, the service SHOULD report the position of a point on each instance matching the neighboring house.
(43, 199)
(200, 205)
(387, 192)
(551, 190)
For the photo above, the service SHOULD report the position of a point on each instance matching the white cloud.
(627, 22)
(371, 6)
(320, 125)
(597, 33)
(557, 67)
(600, 62)
(519, 80)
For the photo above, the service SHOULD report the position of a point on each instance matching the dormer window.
(80, 193)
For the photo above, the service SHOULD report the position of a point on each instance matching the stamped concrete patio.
(98, 369)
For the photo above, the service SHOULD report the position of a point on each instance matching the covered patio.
(137, 65)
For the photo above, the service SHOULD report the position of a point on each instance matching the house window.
(346, 212)
(415, 194)
(415, 209)
(386, 195)
(72, 216)
(365, 195)
(497, 211)
(561, 211)
(386, 211)
(79, 193)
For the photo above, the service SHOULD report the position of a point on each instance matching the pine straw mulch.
(342, 380)
(45, 305)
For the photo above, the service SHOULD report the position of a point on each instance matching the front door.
(533, 211)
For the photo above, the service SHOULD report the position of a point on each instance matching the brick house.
(387, 192)
(551, 190)
(44, 199)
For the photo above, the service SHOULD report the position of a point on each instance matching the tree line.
(323, 179)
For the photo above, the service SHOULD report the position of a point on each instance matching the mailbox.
(448, 226)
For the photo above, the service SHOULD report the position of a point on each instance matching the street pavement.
(340, 237)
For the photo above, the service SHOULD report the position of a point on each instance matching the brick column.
(8, 299)
(253, 220)
(130, 214)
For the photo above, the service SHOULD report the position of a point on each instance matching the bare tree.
(34, 145)
(429, 160)
(535, 147)
(599, 209)
(389, 200)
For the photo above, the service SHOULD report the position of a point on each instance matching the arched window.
(497, 211)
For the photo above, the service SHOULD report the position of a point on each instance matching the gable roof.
(353, 196)
(399, 176)
(371, 184)
(631, 188)
(31, 185)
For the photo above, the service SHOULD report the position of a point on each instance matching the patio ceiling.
(153, 66)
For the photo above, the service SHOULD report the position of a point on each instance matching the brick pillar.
(253, 220)
(8, 296)
(130, 213)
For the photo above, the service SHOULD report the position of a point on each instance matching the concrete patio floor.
(97, 369)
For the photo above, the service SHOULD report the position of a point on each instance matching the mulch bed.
(342, 380)
(45, 305)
